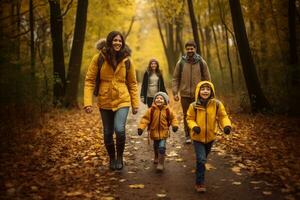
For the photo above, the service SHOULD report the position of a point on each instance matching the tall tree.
(171, 49)
(215, 39)
(194, 25)
(56, 25)
(32, 50)
(76, 54)
(292, 33)
(258, 101)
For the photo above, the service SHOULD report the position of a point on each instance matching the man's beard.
(190, 54)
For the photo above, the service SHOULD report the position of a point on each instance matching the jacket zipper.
(205, 125)
(159, 123)
(191, 81)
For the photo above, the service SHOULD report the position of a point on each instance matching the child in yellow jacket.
(202, 118)
(158, 118)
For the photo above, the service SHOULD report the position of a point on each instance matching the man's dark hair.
(190, 43)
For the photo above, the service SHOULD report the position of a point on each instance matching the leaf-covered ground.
(65, 158)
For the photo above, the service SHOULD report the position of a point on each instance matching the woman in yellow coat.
(202, 118)
(111, 76)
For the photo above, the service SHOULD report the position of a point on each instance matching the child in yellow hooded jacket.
(202, 118)
(158, 118)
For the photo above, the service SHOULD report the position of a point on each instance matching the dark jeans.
(159, 146)
(149, 101)
(185, 103)
(202, 150)
(114, 121)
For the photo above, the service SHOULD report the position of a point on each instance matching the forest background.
(46, 48)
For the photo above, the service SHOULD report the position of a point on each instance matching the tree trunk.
(76, 54)
(281, 53)
(263, 30)
(215, 40)
(179, 50)
(258, 101)
(202, 37)
(194, 25)
(56, 24)
(32, 43)
(208, 41)
(222, 17)
(293, 59)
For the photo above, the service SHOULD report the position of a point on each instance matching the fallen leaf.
(137, 186)
(236, 169)
(107, 198)
(161, 195)
(255, 182)
(75, 193)
(267, 192)
(209, 166)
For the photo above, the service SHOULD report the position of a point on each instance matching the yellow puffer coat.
(206, 118)
(159, 128)
(114, 92)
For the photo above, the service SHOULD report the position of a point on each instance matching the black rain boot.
(112, 157)
(120, 150)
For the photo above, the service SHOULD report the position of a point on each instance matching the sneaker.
(200, 188)
(188, 140)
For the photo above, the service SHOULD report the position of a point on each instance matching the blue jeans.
(114, 121)
(202, 150)
(159, 146)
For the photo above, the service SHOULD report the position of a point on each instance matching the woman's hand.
(135, 110)
(88, 109)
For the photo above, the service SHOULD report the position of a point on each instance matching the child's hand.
(197, 129)
(227, 130)
(174, 128)
(140, 131)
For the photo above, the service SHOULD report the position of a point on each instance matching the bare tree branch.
(23, 13)
(20, 34)
(67, 9)
(130, 27)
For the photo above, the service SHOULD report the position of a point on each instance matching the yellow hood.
(198, 89)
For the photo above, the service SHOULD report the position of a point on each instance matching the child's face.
(159, 100)
(205, 92)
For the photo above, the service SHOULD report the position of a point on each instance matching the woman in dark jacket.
(153, 82)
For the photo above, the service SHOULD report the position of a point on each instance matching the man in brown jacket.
(188, 72)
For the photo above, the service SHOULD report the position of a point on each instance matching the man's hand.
(88, 109)
(176, 97)
(135, 110)
(142, 99)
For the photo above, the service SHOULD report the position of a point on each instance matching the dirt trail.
(177, 181)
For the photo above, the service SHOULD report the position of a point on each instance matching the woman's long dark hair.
(157, 70)
(113, 57)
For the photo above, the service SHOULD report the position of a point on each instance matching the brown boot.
(161, 162)
(155, 161)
